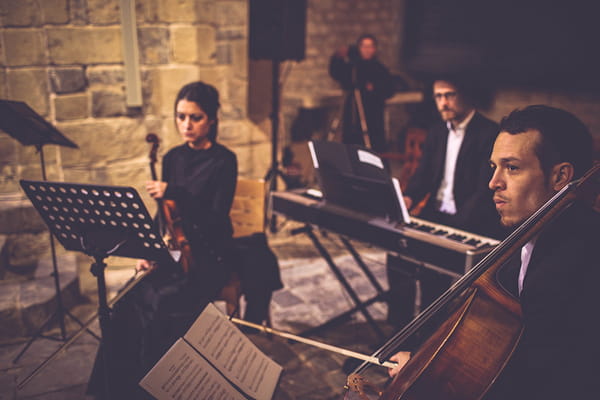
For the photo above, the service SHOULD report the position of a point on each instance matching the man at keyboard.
(452, 175)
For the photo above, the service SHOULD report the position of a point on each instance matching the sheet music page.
(232, 353)
(182, 373)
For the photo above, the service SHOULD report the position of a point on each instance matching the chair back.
(248, 208)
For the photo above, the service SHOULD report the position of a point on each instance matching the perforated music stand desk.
(99, 221)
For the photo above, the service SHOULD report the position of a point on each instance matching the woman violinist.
(200, 176)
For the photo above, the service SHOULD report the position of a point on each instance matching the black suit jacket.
(558, 356)
(475, 209)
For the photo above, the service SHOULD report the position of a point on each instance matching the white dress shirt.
(445, 194)
(525, 258)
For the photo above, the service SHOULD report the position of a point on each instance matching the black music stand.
(22, 123)
(99, 221)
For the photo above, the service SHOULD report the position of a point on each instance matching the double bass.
(169, 218)
(481, 324)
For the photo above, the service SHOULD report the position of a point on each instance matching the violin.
(169, 217)
(479, 319)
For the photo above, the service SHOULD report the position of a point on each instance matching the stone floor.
(311, 296)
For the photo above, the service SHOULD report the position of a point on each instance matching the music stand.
(18, 120)
(99, 221)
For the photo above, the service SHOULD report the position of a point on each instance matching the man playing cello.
(538, 151)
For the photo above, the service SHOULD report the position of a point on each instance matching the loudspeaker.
(277, 29)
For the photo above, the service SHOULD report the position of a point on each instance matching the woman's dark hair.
(207, 98)
(564, 137)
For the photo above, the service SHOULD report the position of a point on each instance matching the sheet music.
(213, 360)
(405, 214)
(230, 351)
(182, 373)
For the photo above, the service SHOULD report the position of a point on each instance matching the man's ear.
(561, 175)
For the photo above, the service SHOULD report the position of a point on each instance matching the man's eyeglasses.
(445, 95)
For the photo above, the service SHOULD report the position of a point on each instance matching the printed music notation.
(213, 360)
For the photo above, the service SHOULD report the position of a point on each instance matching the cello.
(481, 319)
(169, 218)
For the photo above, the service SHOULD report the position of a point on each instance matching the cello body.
(485, 324)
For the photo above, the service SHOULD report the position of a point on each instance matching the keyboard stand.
(359, 305)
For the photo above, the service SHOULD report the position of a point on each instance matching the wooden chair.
(247, 217)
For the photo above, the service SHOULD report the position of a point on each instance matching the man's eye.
(511, 167)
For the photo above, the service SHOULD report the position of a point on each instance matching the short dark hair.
(564, 137)
(207, 98)
(472, 91)
(366, 36)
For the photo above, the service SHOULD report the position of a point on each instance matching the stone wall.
(584, 105)
(64, 59)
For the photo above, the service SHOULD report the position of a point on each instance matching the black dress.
(146, 322)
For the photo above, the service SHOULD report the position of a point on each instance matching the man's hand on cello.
(401, 358)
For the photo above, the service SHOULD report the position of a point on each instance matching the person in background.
(357, 67)
(452, 181)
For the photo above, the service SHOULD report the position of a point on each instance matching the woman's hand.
(144, 265)
(156, 189)
(401, 358)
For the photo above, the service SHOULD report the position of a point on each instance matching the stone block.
(223, 54)
(239, 54)
(231, 33)
(20, 13)
(19, 217)
(253, 160)
(102, 142)
(154, 45)
(78, 12)
(161, 85)
(235, 132)
(21, 252)
(71, 106)
(103, 75)
(108, 103)
(9, 179)
(193, 44)
(29, 160)
(67, 79)
(3, 83)
(176, 10)
(233, 99)
(30, 85)
(24, 47)
(8, 149)
(205, 11)
(85, 45)
(55, 11)
(104, 12)
(231, 13)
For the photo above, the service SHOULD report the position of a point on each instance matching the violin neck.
(153, 171)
